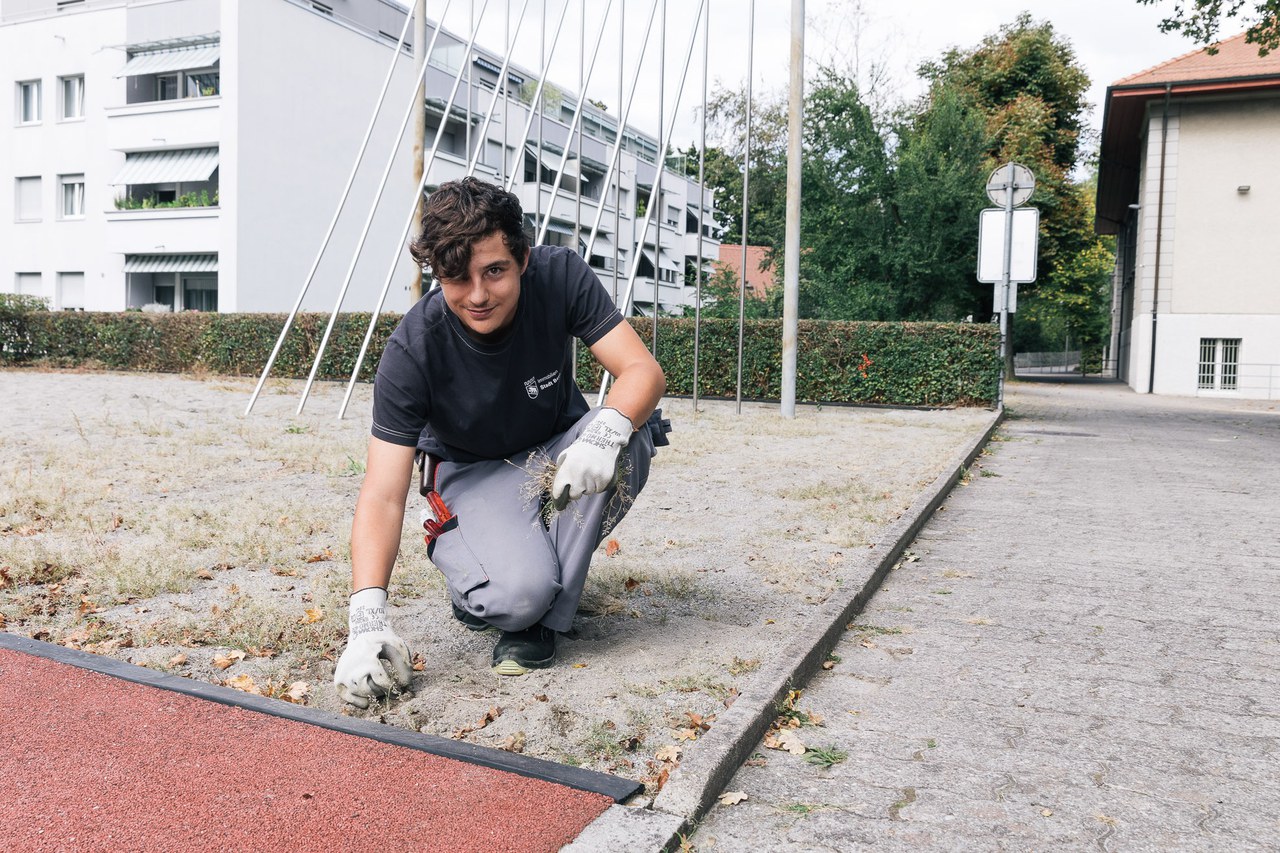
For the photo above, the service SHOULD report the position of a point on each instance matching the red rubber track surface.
(91, 762)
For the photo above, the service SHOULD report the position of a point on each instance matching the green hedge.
(912, 364)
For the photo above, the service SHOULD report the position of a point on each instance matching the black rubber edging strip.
(592, 781)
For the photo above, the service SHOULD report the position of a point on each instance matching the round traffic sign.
(1010, 177)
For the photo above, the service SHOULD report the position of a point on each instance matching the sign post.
(1016, 247)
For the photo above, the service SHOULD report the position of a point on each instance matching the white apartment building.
(192, 153)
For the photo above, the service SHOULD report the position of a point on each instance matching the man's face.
(485, 301)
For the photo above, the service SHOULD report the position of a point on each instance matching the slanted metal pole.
(368, 222)
(613, 161)
(702, 167)
(625, 307)
(614, 155)
(746, 185)
(791, 259)
(493, 98)
(328, 234)
(573, 126)
(419, 122)
(535, 110)
(404, 234)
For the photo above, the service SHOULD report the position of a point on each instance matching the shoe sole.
(513, 667)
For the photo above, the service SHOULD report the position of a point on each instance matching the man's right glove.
(359, 675)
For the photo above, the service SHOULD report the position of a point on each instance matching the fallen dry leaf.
(513, 743)
(418, 663)
(828, 664)
(489, 716)
(670, 752)
(611, 548)
(630, 584)
(786, 740)
(243, 682)
(205, 575)
(222, 661)
(297, 693)
(579, 666)
(178, 660)
(732, 798)
(313, 614)
(687, 734)
(322, 557)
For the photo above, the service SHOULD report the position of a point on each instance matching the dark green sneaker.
(471, 621)
(517, 652)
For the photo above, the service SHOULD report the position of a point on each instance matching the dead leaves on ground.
(489, 716)
(783, 734)
(295, 693)
(732, 798)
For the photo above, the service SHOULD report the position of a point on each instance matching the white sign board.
(991, 239)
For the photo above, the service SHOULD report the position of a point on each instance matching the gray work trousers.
(500, 562)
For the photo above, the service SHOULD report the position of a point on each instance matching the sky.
(1112, 39)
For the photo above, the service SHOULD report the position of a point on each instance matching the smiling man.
(478, 377)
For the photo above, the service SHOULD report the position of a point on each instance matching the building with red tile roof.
(1189, 183)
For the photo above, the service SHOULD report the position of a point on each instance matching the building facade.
(191, 155)
(1188, 183)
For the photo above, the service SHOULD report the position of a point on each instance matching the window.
(167, 87)
(71, 291)
(72, 97)
(200, 293)
(1219, 364)
(673, 215)
(72, 196)
(27, 205)
(29, 102)
(323, 8)
(28, 284)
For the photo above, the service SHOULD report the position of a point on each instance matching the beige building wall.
(1229, 260)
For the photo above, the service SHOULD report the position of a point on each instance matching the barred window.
(1219, 364)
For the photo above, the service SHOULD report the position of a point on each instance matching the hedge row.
(915, 364)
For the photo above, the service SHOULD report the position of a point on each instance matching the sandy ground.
(146, 517)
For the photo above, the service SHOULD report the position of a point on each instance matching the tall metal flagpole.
(702, 205)
(617, 183)
(746, 184)
(328, 234)
(657, 179)
(791, 259)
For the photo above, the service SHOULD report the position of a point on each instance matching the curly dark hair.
(457, 215)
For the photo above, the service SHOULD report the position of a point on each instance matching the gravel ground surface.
(147, 518)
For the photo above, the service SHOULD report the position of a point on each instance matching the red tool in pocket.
(436, 515)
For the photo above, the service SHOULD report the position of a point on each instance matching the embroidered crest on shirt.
(531, 387)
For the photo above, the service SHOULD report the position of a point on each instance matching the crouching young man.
(479, 377)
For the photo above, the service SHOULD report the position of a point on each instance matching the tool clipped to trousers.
(436, 517)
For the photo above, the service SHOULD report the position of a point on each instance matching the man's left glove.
(590, 464)
(359, 675)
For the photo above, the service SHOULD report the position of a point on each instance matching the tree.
(941, 169)
(1028, 83)
(1202, 20)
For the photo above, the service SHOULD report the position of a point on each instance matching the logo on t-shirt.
(531, 387)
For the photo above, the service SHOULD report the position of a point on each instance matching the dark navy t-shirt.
(463, 400)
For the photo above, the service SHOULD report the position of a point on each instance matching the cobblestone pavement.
(1082, 651)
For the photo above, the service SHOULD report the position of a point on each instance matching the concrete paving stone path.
(1081, 653)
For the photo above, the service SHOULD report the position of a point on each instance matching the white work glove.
(360, 675)
(590, 464)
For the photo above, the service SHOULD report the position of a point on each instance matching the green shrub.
(914, 364)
